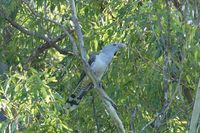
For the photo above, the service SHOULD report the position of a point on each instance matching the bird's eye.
(114, 44)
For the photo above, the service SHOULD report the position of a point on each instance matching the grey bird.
(98, 63)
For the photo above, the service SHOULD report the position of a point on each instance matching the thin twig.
(132, 119)
(148, 124)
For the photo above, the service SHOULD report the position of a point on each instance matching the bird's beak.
(121, 45)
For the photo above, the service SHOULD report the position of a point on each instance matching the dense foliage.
(156, 75)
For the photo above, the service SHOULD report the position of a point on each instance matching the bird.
(98, 63)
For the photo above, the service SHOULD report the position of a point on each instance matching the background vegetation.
(153, 81)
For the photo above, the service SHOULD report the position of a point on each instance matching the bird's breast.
(99, 67)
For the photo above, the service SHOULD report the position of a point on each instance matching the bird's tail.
(75, 98)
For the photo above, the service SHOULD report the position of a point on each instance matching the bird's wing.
(90, 61)
(83, 86)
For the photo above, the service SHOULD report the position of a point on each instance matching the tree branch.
(23, 29)
(78, 31)
(49, 42)
(159, 116)
(90, 73)
(47, 45)
(164, 43)
(195, 112)
(46, 18)
(132, 119)
(148, 124)
(63, 51)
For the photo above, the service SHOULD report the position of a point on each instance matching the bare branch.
(49, 42)
(195, 112)
(78, 30)
(90, 73)
(47, 45)
(164, 43)
(148, 124)
(37, 52)
(45, 8)
(159, 116)
(61, 50)
(66, 31)
(132, 119)
(23, 29)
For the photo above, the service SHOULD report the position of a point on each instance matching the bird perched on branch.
(98, 63)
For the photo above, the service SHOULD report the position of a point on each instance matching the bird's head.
(108, 51)
(113, 47)
(119, 45)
